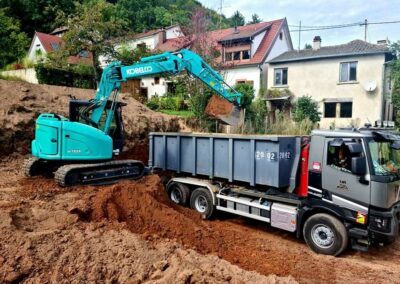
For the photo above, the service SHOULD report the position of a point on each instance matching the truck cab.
(355, 173)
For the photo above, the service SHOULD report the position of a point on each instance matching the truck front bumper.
(384, 225)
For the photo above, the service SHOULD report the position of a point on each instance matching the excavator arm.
(167, 63)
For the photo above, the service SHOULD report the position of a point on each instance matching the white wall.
(34, 47)
(28, 75)
(173, 32)
(256, 42)
(280, 46)
(152, 88)
(243, 73)
(320, 80)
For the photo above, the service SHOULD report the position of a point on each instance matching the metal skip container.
(255, 159)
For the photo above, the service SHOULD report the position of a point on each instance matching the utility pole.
(299, 34)
(365, 29)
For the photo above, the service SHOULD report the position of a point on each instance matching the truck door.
(348, 190)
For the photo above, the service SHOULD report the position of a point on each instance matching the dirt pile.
(22, 102)
(42, 242)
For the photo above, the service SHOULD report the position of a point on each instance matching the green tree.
(37, 15)
(304, 108)
(247, 92)
(255, 19)
(13, 42)
(129, 56)
(93, 29)
(307, 46)
(237, 19)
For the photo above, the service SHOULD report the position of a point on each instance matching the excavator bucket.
(224, 110)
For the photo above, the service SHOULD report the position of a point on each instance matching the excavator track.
(99, 173)
(34, 166)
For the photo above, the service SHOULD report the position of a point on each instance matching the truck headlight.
(380, 223)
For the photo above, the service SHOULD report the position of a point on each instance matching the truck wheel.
(178, 193)
(325, 234)
(201, 201)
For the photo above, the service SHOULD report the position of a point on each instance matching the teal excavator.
(80, 150)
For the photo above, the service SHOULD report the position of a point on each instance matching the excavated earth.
(131, 233)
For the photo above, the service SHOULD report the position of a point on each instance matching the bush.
(255, 120)
(61, 77)
(153, 103)
(304, 108)
(247, 92)
(171, 103)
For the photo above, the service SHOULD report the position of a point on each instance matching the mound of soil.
(22, 103)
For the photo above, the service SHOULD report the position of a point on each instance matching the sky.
(322, 13)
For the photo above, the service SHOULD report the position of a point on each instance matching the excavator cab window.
(116, 129)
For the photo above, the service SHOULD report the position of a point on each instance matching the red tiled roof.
(214, 37)
(47, 40)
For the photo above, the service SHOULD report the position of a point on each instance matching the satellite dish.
(370, 86)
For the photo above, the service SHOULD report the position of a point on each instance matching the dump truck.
(334, 188)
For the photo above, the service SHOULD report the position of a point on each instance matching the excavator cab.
(76, 113)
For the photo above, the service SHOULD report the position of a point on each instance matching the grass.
(11, 78)
(181, 113)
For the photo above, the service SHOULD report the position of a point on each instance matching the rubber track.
(62, 171)
(28, 163)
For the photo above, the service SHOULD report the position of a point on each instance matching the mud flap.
(224, 110)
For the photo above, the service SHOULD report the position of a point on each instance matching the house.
(349, 81)
(43, 44)
(244, 52)
(146, 87)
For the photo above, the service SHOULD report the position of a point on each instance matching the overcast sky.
(322, 13)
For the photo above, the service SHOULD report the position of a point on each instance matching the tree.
(13, 42)
(247, 92)
(128, 56)
(93, 29)
(255, 19)
(37, 15)
(307, 46)
(237, 19)
(304, 108)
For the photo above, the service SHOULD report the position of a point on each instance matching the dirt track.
(131, 232)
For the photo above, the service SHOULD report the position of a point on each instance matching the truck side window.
(339, 157)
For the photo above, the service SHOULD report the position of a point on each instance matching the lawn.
(181, 113)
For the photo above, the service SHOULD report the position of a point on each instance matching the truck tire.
(201, 201)
(178, 193)
(325, 234)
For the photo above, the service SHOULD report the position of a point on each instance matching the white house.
(349, 81)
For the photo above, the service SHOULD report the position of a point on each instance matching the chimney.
(317, 43)
(382, 42)
(162, 36)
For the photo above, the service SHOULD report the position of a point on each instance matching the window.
(244, 81)
(141, 45)
(330, 110)
(156, 80)
(346, 109)
(338, 109)
(237, 55)
(54, 45)
(348, 71)
(339, 157)
(228, 56)
(84, 54)
(280, 35)
(281, 76)
(246, 54)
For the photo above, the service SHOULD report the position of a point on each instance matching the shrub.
(247, 92)
(255, 120)
(304, 108)
(171, 102)
(153, 103)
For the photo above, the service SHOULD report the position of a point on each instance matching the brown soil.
(23, 102)
(46, 237)
(218, 106)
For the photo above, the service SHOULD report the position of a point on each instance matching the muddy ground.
(131, 233)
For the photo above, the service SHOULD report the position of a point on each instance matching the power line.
(318, 28)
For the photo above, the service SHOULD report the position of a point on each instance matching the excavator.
(81, 149)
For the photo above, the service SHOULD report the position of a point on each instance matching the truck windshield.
(385, 159)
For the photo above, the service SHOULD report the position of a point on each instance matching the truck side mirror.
(358, 166)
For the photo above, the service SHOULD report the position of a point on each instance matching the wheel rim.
(176, 195)
(322, 236)
(201, 204)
